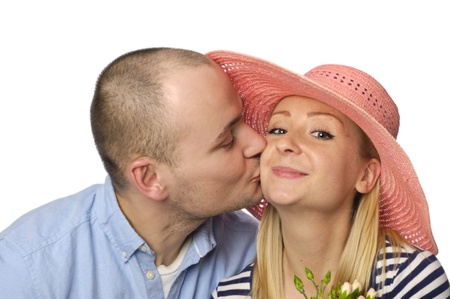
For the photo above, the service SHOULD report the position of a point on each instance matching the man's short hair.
(130, 115)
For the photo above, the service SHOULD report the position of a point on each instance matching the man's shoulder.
(240, 221)
(47, 223)
(235, 231)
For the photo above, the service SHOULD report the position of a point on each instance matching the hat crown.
(362, 90)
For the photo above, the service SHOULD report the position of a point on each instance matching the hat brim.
(262, 85)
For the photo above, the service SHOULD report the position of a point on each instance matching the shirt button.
(124, 254)
(152, 252)
(143, 248)
(150, 275)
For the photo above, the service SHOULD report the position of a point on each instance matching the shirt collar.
(125, 239)
(119, 231)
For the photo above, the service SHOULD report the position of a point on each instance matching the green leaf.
(298, 283)
(354, 294)
(324, 282)
(327, 278)
(333, 293)
(309, 274)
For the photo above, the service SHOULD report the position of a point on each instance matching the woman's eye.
(322, 135)
(277, 131)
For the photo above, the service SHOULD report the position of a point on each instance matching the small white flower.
(356, 285)
(346, 288)
(371, 293)
(361, 297)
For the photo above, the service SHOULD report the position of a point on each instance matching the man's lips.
(287, 172)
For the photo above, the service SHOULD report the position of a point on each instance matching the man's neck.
(161, 229)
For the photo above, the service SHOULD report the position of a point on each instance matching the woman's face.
(312, 158)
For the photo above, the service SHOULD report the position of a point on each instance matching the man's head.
(168, 122)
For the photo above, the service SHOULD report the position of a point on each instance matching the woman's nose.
(288, 144)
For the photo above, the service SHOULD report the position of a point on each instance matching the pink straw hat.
(261, 85)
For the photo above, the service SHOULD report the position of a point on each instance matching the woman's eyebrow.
(312, 114)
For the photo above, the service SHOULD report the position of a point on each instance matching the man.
(167, 125)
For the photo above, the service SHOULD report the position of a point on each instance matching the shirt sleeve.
(214, 294)
(238, 286)
(421, 275)
(16, 278)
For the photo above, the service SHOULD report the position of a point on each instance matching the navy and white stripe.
(237, 286)
(418, 274)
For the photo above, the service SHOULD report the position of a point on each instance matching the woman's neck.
(312, 241)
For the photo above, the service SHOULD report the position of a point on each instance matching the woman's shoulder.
(409, 272)
(396, 257)
(237, 286)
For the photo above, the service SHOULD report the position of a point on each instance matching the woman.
(342, 194)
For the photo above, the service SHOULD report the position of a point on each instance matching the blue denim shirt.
(82, 246)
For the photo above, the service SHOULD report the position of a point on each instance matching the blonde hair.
(362, 242)
(365, 241)
(268, 270)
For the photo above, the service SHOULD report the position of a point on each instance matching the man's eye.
(277, 131)
(322, 135)
(229, 144)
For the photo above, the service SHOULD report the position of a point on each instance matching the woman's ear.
(369, 177)
(144, 176)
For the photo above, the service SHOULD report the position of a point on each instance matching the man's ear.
(144, 175)
(369, 177)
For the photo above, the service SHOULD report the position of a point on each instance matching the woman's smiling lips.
(287, 172)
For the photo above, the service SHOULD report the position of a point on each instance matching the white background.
(52, 52)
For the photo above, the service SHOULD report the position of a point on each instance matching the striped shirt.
(419, 274)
